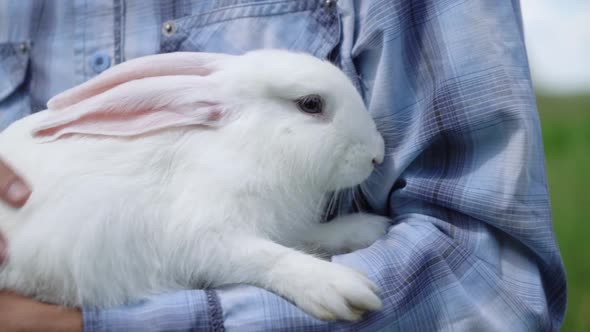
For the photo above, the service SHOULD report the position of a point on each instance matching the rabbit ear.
(179, 63)
(138, 107)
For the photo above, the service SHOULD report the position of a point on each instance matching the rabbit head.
(306, 116)
(291, 110)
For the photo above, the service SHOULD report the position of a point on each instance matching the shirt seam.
(215, 311)
(230, 13)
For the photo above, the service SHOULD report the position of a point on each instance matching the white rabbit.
(186, 170)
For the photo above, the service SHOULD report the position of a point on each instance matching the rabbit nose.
(377, 161)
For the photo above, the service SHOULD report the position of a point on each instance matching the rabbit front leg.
(345, 233)
(325, 290)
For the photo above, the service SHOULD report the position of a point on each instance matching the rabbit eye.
(312, 104)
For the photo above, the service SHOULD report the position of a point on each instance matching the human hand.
(20, 313)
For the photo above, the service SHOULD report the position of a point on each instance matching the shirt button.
(100, 62)
(23, 47)
(330, 3)
(168, 28)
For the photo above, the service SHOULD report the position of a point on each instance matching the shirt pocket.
(14, 97)
(305, 26)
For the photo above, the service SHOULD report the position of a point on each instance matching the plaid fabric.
(471, 247)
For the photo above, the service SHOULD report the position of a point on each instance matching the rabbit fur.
(193, 170)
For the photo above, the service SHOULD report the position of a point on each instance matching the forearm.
(422, 273)
(20, 313)
(191, 310)
(58, 319)
(428, 280)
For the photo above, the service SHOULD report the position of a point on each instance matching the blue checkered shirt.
(471, 247)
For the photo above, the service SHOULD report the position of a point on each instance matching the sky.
(557, 35)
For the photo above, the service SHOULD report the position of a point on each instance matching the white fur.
(113, 220)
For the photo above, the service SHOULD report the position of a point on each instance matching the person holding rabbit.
(458, 173)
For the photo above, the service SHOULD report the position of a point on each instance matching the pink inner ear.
(136, 123)
(138, 107)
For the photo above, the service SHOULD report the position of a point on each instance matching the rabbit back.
(107, 222)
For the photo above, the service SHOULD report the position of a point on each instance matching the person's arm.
(13, 191)
(472, 246)
(19, 313)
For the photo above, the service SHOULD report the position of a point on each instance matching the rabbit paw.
(335, 292)
(352, 232)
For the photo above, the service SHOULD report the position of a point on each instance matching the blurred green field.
(566, 134)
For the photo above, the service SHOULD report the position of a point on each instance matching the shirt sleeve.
(471, 247)
(194, 310)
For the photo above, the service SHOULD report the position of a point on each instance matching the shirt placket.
(94, 42)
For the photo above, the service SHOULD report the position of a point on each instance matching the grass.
(566, 134)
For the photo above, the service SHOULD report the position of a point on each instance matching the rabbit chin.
(351, 172)
(349, 176)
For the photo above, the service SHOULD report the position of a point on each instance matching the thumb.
(13, 189)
